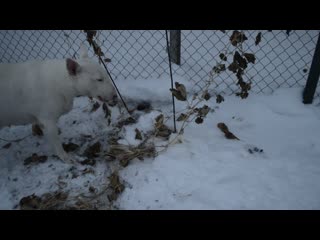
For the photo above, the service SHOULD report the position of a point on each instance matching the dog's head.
(90, 79)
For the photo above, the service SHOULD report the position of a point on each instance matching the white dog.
(39, 92)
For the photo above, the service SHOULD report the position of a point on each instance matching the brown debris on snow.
(229, 135)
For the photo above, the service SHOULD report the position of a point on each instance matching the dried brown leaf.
(237, 37)
(240, 60)
(206, 95)
(219, 98)
(233, 67)
(138, 134)
(182, 117)
(95, 106)
(70, 147)
(35, 159)
(223, 57)
(88, 161)
(31, 202)
(250, 57)
(258, 38)
(199, 120)
(6, 146)
(93, 150)
(36, 130)
(229, 135)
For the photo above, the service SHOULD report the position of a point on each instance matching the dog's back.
(24, 87)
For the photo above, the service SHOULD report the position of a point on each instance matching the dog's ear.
(73, 67)
(83, 52)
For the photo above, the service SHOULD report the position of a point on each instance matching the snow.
(205, 171)
(18, 180)
(208, 171)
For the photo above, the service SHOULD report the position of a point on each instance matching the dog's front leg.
(51, 132)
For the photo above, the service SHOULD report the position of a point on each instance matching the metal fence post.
(175, 46)
(313, 77)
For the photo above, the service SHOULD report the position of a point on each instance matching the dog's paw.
(65, 157)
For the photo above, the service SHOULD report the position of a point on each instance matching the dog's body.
(40, 92)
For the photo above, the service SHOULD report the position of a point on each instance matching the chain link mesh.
(282, 60)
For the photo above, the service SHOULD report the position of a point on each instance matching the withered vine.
(197, 107)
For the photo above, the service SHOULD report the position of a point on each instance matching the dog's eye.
(100, 80)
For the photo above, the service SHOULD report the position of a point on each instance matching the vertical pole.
(313, 77)
(175, 46)
(170, 68)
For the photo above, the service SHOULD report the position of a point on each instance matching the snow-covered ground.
(207, 171)
(204, 171)
(19, 180)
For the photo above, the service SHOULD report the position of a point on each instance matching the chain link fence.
(283, 58)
